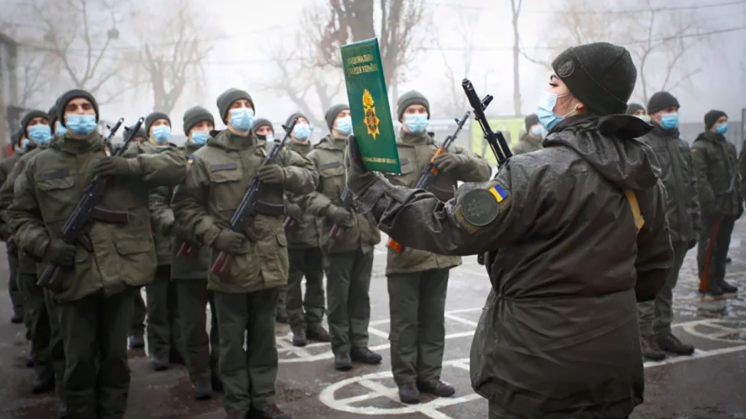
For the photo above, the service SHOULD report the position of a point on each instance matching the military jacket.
(216, 181)
(415, 152)
(51, 186)
(159, 203)
(304, 233)
(328, 158)
(717, 175)
(527, 144)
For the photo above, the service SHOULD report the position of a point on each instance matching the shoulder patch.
(54, 174)
(190, 160)
(479, 207)
(403, 160)
(219, 167)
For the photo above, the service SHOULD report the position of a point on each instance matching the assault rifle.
(76, 227)
(246, 211)
(431, 172)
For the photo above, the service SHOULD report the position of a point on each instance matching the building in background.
(9, 113)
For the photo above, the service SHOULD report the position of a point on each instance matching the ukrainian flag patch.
(499, 192)
(190, 160)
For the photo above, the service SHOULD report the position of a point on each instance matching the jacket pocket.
(226, 187)
(58, 199)
(332, 179)
(137, 261)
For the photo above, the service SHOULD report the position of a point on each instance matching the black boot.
(174, 357)
(217, 383)
(365, 355)
(160, 362)
(670, 343)
(299, 336)
(650, 349)
(62, 410)
(137, 340)
(728, 288)
(17, 318)
(437, 387)
(282, 316)
(317, 332)
(342, 362)
(44, 381)
(409, 394)
(30, 357)
(270, 412)
(202, 389)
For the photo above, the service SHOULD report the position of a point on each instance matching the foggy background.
(137, 56)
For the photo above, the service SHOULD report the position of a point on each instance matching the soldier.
(637, 110)
(95, 301)
(349, 256)
(558, 336)
(139, 311)
(531, 140)
(16, 296)
(418, 280)
(189, 273)
(682, 211)
(246, 296)
(719, 201)
(38, 134)
(164, 343)
(305, 257)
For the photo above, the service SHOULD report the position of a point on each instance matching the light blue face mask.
(162, 134)
(24, 144)
(40, 134)
(270, 138)
(59, 129)
(81, 124)
(344, 125)
(200, 137)
(670, 120)
(537, 131)
(546, 114)
(722, 128)
(416, 122)
(302, 131)
(242, 118)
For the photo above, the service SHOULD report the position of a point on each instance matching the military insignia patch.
(190, 160)
(566, 69)
(371, 120)
(479, 206)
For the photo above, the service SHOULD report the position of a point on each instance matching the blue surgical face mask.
(81, 124)
(722, 128)
(161, 134)
(24, 144)
(416, 122)
(242, 118)
(537, 131)
(670, 120)
(200, 137)
(59, 129)
(344, 125)
(302, 131)
(40, 134)
(546, 114)
(270, 138)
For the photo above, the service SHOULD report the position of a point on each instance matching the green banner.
(369, 106)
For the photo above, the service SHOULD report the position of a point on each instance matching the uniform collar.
(411, 138)
(94, 142)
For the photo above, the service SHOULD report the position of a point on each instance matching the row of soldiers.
(184, 198)
(705, 185)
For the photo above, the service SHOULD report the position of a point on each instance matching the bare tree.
(515, 7)
(453, 100)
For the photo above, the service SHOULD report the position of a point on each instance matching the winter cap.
(410, 98)
(194, 115)
(290, 118)
(140, 133)
(660, 101)
(531, 120)
(226, 99)
(52, 115)
(331, 114)
(31, 115)
(601, 75)
(262, 122)
(66, 97)
(16, 137)
(154, 116)
(634, 107)
(712, 117)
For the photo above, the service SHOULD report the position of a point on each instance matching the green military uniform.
(139, 310)
(305, 260)
(716, 164)
(96, 295)
(558, 337)
(417, 279)
(246, 298)
(16, 296)
(349, 258)
(529, 142)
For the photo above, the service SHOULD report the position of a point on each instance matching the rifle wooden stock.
(290, 224)
(336, 231)
(185, 250)
(222, 265)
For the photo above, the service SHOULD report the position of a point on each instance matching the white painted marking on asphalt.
(379, 333)
(461, 320)
(301, 352)
(698, 354)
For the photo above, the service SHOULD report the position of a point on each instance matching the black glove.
(117, 166)
(229, 241)
(60, 253)
(448, 162)
(341, 216)
(294, 211)
(271, 174)
(358, 179)
(180, 232)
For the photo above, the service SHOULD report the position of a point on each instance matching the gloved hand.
(358, 179)
(166, 223)
(60, 253)
(117, 166)
(448, 162)
(271, 174)
(180, 232)
(341, 216)
(294, 210)
(229, 241)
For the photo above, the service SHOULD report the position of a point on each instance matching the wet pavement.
(709, 385)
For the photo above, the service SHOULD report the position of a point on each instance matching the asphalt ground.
(709, 385)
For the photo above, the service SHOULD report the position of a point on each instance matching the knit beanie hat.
(712, 117)
(16, 137)
(660, 101)
(290, 118)
(226, 99)
(139, 134)
(600, 74)
(70, 95)
(410, 98)
(194, 115)
(52, 113)
(531, 120)
(331, 114)
(154, 116)
(31, 115)
(634, 107)
(262, 122)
